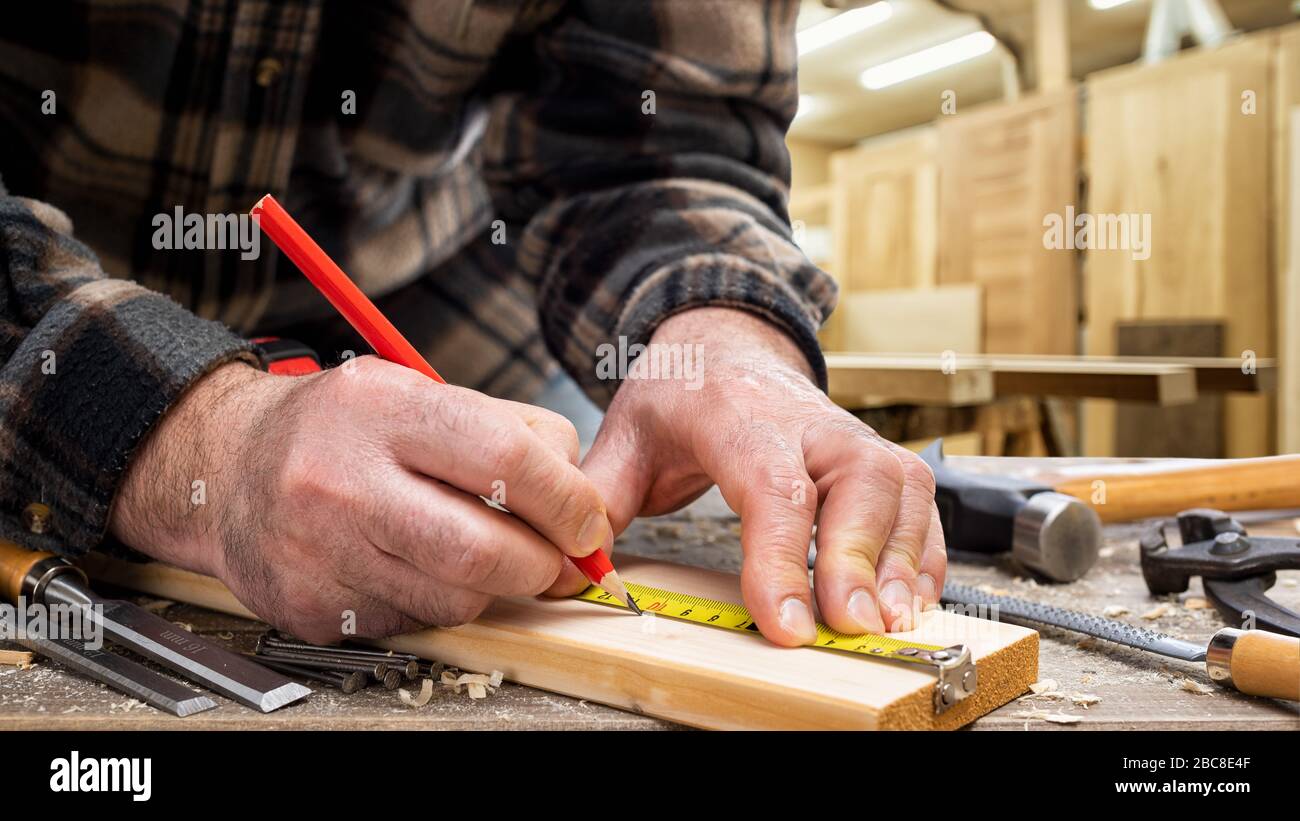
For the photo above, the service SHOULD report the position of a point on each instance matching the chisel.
(116, 671)
(1255, 662)
(46, 578)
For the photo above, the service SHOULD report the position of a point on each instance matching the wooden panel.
(1287, 202)
(691, 673)
(1003, 169)
(1194, 430)
(929, 320)
(1172, 141)
(883, 217)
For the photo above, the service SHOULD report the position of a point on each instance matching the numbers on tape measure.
(730, 616)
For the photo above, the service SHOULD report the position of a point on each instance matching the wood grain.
(690, 673)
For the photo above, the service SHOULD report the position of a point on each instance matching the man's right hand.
(355, 491)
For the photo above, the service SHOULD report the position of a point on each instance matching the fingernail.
(596, 533)
(925, 585)
(797, 620)
(863, 609)
(898, 601)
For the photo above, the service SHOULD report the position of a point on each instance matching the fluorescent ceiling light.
(931, 59)
(1102, 5)
(843, 25)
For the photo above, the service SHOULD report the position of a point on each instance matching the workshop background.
(933, 142)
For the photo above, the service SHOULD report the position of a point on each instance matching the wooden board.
(690, 673)
(854, 375)
(1286, 148)
(873, 380)
(1003, 168)
(920, 320)
(1172, 141)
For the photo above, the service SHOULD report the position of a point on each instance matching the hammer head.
(1056, 535)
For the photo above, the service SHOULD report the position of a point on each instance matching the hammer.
(1052, 534)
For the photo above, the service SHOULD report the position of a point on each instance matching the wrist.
(183, 479)
(731, 334)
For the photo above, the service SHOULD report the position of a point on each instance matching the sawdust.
(1115, 611)
(1052, 718)
(1084, 700)
(1196, 603)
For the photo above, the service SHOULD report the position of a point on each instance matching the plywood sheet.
(1175, 141)
(690, 673)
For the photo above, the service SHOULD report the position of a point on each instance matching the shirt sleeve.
(88, 365)
(654, 150)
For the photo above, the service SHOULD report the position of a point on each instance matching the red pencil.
(387, 341)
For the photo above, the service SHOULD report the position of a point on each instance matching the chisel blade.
(1108, 629)
(121, 674)
(196, 658)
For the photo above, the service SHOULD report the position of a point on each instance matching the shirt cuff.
(82, 390)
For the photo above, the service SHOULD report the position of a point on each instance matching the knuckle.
(917, 473)
(897, 562)
(884, 469)
(507, 457)
(472, 559)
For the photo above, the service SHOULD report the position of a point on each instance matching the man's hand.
(357, 491)
(776, 447)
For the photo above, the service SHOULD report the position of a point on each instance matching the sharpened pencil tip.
(614, 585)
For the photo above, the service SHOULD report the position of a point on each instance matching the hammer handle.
(15, 561)
(1269, 483)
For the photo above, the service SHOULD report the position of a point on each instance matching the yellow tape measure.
(735, 617)
(957, 674)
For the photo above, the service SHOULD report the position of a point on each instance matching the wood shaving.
(426, 694)
(1114, 611)
(1085, 699)
(184, 625)
(1157, 612)
(1196, 603)
(1196, 687)
(76, 708)
(1047, 685)
(476, 685)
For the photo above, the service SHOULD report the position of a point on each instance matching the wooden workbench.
(1137, 690)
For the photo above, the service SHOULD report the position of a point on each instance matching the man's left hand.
(784, 457)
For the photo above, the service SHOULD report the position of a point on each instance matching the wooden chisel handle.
(1256, 662)
(1269, 483)
(15, 561)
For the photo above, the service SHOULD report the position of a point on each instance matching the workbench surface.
(1136, 690)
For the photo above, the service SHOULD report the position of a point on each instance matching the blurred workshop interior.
(1059, 227)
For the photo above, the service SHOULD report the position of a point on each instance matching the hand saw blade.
(1090, 625)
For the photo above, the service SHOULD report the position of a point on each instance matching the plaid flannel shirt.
(630, 152)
